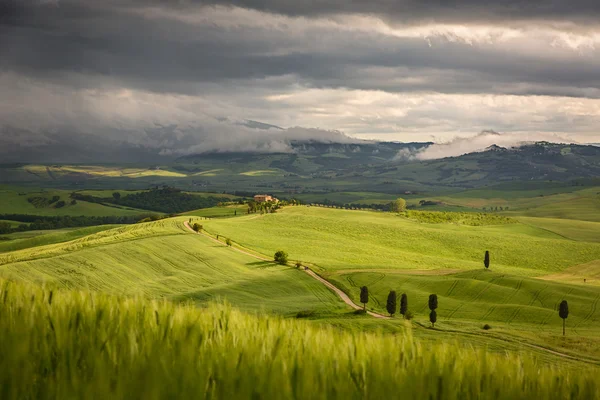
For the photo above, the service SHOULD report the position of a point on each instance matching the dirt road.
(332, 287)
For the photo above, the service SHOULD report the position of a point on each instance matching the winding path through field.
(344, 297)
(311, 273)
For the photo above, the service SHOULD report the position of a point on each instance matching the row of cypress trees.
(392, 306)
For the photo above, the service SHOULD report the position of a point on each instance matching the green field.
(536, 263)
(14, 201)
(338, 239)
(387, 252)
(162, 260)
(63, 344)
(29, 239)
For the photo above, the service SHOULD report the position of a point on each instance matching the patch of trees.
(463, 218)
(353, 206)
(264, 207)
(424, 203)
(398, 205)
(165, 199)
(281, 257)
(5, 227)
(36, 222)
(43, 202)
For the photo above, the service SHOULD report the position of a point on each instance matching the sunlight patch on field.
(260, 172)
(211, 172)
(576, 274)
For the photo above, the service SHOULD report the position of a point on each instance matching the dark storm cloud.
(107, 40)
(117, 69)
(445, 11)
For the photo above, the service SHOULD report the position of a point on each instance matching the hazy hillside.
(383, 167)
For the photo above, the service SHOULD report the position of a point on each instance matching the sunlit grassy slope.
(481, 297)
(386, 252)
(62, 344)
(28, 239)
(162, 259)
(339, 239)
(548, 200)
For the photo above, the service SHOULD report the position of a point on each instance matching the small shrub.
(305, 314)
(487, 327)
(281, 257)
(197, 227)
(360, 311)
(408, 315)
(298, 264)
(228, 242)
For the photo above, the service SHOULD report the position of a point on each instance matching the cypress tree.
(391, 303)
(433, 304)
(364, 296)
(486, 259)
(403, 304)
(563, 312)
(433, 318)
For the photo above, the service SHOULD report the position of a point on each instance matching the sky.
(119, 78)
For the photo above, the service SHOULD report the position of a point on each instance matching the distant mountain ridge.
(382, 165)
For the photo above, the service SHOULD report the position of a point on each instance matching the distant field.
(99, 170)
(570, 229)
(14, 201)
(29, 239)
(551, 201)
(338, 239)
(161, 260)
(13, 224)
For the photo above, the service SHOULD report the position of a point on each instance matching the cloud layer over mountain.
(181, 76)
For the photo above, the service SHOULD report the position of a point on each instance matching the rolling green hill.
(387, 252)
(339, 239)
(161, 260)
(312, 167)
(15, 200)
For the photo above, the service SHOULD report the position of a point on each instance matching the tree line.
(164, 199)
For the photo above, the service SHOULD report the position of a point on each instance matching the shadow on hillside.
(261, 264)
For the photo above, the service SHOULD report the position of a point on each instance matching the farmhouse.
(263, 198)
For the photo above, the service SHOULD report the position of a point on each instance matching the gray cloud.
(186, 76)
(479, 142)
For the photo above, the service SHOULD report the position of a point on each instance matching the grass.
(338, 239)
(162, 260)
(588, 274)
(584, 231)
(551, 201)
(468, 300)
(29, 239)
(13, 201)
(13, 224)
(388, 252)
(68, 344)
